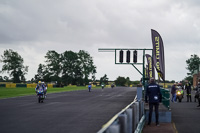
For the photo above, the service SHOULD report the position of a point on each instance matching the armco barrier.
(21, 85)
(92, 86)
(50, 85)
(130, 119)
(108, 86)
(2, 85)
(31, 85)
(10, 85)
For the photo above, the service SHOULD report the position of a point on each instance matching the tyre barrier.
(130, 119)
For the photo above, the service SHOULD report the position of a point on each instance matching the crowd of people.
(188, 89)
(153, 96)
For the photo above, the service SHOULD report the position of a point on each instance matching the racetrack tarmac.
(186, 115)
(66, 112)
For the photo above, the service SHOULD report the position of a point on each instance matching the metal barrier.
(131, 118)
(166, 97)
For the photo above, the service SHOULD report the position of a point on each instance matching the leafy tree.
(13, 65)
(42, 74)
(104, 80)
(93, 76)
(6, 78)
(193, 64)
(128, 82)
(70, 68)
(120, 81)
(1, 79)
(86, 65)
(190, 79)
(53, 61)
(135, 83)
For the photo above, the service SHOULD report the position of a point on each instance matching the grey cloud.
(89, 25)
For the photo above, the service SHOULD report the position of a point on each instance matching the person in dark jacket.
(198, 93)
(153, 96)
(173, 92)
(188, 90)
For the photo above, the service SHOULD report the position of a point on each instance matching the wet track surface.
(67, 112)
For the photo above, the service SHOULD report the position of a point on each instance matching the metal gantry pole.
(133, 64)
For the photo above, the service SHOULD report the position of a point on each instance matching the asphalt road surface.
(67, 112)
(186, 116)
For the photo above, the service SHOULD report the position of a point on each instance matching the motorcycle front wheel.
(39, 99)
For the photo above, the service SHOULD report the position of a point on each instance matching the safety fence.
(13, 85)
(166, 97)
(130, 119)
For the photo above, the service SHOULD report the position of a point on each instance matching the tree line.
(64, 68)
(69, 68)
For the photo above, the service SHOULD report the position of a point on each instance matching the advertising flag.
(151, 72)
(158, 54)
(147, 71)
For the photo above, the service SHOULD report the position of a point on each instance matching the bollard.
(129, 120)
(139, 92)
(135, 115)
(115, 128)
(140, 109)
(123, 123)
(137, 112)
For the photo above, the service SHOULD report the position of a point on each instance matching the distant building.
(195, 79)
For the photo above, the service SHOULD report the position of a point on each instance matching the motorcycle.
(102, 86)
(112, 85)
(179, 94)
(41, 96)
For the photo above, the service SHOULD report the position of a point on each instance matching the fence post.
(123, 123)
(135, 115)
(129, 120)
(115, 128)
(139, 92)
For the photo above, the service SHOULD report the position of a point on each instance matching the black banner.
(151, 71)
(147, 71)
(158, 54)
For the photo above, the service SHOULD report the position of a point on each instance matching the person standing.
(153, 96)
(173, 92)
(198, 93)
(188, 90)
(89, 87)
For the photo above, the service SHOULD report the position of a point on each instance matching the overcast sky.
(32, 27)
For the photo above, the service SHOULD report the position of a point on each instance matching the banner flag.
(151, 71)
(158, 54)
(147, 71)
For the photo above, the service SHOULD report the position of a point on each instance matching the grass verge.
(23, 91)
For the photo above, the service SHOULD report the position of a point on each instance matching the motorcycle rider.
(188, 90)
(102, 86)
(180, 88)
(41, 85)
(113, 85)
(89, 87)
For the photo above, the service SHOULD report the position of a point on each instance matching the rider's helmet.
(39, 82)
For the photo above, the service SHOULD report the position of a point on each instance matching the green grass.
(23, 91)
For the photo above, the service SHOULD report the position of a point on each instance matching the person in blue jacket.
(89, 87)
(173, 92)
(41, 85)
(153, 96)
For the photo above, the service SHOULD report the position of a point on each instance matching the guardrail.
(129, 119)
(166, 97)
